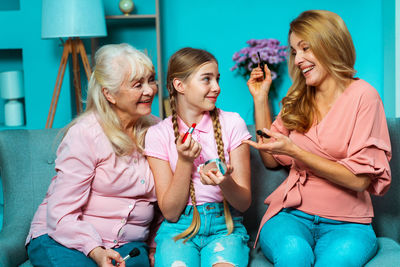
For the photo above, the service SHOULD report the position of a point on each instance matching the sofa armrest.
(11, 241)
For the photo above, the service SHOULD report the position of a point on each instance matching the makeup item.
(134, 252)
(191, 129)
(214, 164)
(262, 134)
(261, 64)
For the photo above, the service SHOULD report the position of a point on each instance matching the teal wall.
(222, 27)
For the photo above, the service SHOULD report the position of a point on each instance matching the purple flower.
(236, 56)
(234, 67)
(252, 42)
(270, 50)
(241, 59)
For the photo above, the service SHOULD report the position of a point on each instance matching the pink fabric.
(96, 198)
(354, 133)
(160, 143)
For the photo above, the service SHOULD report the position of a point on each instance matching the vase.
(126, 6)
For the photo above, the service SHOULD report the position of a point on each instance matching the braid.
(221, 154)
(174, 116)
(195, 225)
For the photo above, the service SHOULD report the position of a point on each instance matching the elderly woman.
(100, 205)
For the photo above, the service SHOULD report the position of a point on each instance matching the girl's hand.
(278, 144)
(215, 177)
(258, 85)
(152, 251)
(104, 257)
(189, 150)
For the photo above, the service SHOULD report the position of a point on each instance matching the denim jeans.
(45, 251)
(211, 245)
(295, 238)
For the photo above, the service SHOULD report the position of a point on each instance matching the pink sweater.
(354, 133)
(96, 198)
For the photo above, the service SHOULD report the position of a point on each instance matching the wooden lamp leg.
(77, 76)
(74, 47)
(60, 76)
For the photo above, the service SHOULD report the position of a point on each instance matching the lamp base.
(13, 113)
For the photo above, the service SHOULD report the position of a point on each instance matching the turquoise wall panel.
(223, 27)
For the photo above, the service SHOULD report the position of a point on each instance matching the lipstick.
(191, 129)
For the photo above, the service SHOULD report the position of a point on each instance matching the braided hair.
(181, 65)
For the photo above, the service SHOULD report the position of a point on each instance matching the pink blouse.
(354, 133)
(96, 198)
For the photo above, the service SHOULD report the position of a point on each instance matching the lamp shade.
(73, 18)
(12, 84)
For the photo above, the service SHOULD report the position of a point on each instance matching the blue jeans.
(45, 251)
(211, 245)
(295, 238)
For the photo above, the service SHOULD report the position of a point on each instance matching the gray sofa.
(27, 165)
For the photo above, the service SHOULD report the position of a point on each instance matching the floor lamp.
(72, 19)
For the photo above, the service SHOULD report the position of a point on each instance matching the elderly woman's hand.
(104, 257)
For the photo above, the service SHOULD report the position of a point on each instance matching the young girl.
(203, 225)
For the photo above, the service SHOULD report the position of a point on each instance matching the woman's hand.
(215, 177)
(189, 150)
(152, 251)
(258, 85)
(104, 257)
(278, 144)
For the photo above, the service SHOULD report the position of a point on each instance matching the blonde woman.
(100, 204)
(203, 225)
(333, 135)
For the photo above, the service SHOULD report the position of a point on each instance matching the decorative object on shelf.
(12, 90)
(263, 51)
(72, 19)
(126, 6)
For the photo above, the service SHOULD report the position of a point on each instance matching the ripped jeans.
(210, 246)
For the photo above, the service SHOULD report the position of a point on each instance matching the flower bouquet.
(268, 51)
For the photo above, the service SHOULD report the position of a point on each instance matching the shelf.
(3, 127)
(131, 17)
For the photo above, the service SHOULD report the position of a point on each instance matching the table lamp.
(12, 90)
(72, 19)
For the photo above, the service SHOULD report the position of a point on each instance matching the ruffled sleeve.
(369, 149)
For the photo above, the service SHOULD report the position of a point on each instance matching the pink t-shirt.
(354, 133)
(160, 143)
(96, 198)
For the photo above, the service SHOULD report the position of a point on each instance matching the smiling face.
(201, 89)
(134, 97)
(313, 71)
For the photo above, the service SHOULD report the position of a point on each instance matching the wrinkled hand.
(215, 177)
(104, 257)
(189, 150)
(152, 251)
(258, 85)
(278, 144)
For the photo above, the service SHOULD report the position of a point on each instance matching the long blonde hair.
(113, 64)
(182, 65)
(331, 43)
